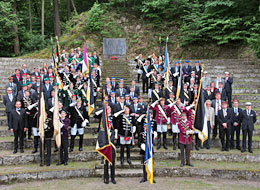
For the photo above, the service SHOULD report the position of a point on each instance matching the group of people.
(171, 103)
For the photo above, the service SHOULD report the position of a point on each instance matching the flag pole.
(202, 69)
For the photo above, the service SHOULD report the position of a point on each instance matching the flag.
(58, 51)
(166, 58)
(104, 145)
(90, 95)
(85, 64)
(148, 159)
(41, 114)
(56, 74)
(200, 120)
(56, 120)
(179, 84)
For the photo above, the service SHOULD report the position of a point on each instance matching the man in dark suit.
(176, 71)
(114, 84)
(18, 122)
(228, 88)
(156, 93)
(222, 91)
(208, 94)
(136, 111)
(185, 94)
(224, 118)
(248, 120)
(197, 70)
(20, 94)
(169, 89)
(143, 104)
(121, 91)
(236, 113)
(17, 77)
(36, 72)
(47, 88)
(136, 88)
(216, 104)
(24, 69)
(23, 81)
(186, 69)
(9, 102)
(132, 92)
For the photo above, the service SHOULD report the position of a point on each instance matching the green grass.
(210, 165)
(36, 168)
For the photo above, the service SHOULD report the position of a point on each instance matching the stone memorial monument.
(114, 48)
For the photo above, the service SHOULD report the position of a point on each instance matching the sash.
(154, 78)
(155, 93)
(184, 126)
(170, 101)
(111, 122)
(126, 118)
(79, 113)
(162, 111)
(145, 69)
(186, 95)
(177, 109)
(66, 76)
(156, 68)
(169, 89)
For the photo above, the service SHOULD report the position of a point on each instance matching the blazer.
(236, 117)
(9, 105)
(228, 84)
(18, 121)
(47, 93)
(14, 87)
(223, 93)
(224, 119)
(248, 121)
(187, 70)
(211, 114)
(213, 104)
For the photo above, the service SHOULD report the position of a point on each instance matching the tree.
(16, 42)
(42, 20)
(68, 9)
(57, 28)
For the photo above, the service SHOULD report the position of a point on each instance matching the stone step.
(248, 97)
(122, 173)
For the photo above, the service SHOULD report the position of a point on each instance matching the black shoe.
(56, 150)
(197, 148)
(154, 181)
(41, 165)
(25, 140)
(65, 163)
(22, 151)
(158, 146)
(189, 165)
(208, 147)
(238, 148)
(71, 150)
(15, 151)
(250, 151)
(129, 162)
(222, 149)
(122, 162)
(181, 165)
(34, 151)
(227, 149)
(242, 150)
(30, 139)
(143, 180)
(48, 164)
(80, 149)
(106, 181)
(113, 181)
(165, 147)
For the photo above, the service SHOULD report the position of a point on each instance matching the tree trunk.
(42, 19)
(30, 16)
(74, 7)
(16, 42)
(68, 9)
(57, 29)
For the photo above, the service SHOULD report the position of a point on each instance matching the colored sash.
(126, 118)
(162, 111)
(177, 109)
(155, 93)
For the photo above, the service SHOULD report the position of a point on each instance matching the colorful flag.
(56, 120)
(41, 114)
(56, 74)
(148, 159)
(90, 92)
(166, 58)
(179, 84)
(85, 64)
(104, 145)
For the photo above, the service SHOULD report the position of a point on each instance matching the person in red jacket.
(185, 138)
(161, 116)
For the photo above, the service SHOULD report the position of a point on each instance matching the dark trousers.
(122, 152)
(138, 77)
(47, 145)
(29, 126)
(145, 86)
(215, 129)
(185, 147)
(112, 168)
(8, 119)
(235, 129)
(19, 133)
(64, 156)
(175, 81)
(224, 134)
(229, 97)
(250, 134)
(207, 142)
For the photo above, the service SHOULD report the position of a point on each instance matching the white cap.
(248, 103)
(227, 73)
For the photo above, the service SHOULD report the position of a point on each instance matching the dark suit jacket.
(167, 92)
(154, 98)
(15, 79)
(123, 92)
(9, 105)
(197, 72)
(114, 86)
(47, 93)
(226, 119)
(173, 71)
(137, 91)
(248, 121)
(144, 107)
(14, 87)
(223, 94)
(228, 84)
(187, 70)
(208, 97)
(236, 117)
(18, 121)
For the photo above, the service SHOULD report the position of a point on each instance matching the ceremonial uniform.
(64, 141)
(185, 140)
(77, 116)
(26, 102)
(156, 94)
(224, 116)
(236, 117)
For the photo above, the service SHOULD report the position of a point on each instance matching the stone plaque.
(114, 47)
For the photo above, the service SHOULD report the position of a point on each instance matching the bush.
(94, 19)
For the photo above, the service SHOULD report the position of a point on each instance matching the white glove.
(192, 132)
(155, 135)
(153, 104)
(73, 104)
(32, 106)
(99, 112)
(118, 113)
(84, 123)
(133, 129)
(140, 118)
(98, 89)
(45, 126)
(80, 86)
(170, 105)
(143, 146)
(116, 133)
(65, 87)
(52, 109)
(176, 74)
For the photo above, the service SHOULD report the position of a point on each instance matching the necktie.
(248, 112)
(18, 111)
(11, 97)
(135, 108)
